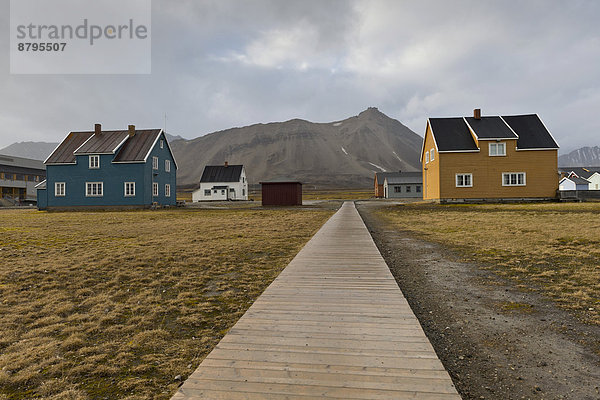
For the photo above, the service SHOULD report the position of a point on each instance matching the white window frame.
(167, 165)
(496, 146)
(154, 162)
(60, 189)
(516, 176)
(426, 157)
(167, 190)
(131, 192)
(162, 143)
(463, 175)
(94, 162)
(99, 186)
(207, 192)
(432, 155)
(155, 189)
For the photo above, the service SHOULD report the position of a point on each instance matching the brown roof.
(137, 147)
(64, 152)
(134, 149)
(106, 142)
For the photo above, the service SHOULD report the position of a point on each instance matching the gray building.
(18, 178)
(403, 185)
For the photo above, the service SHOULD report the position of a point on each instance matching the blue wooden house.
(124, 168)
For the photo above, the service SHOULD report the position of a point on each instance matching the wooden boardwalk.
(334, 324)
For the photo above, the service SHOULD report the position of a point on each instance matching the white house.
(222, 182)
(573, 183)
(590, 174)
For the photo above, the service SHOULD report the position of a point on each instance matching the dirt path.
(491, 350)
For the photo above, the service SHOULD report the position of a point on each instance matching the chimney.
(97, 129)
(131, 129)
(226, 164)
(477, 113)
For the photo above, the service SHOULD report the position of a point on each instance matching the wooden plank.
(334, 324)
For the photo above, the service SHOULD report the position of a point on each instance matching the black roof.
(221, 173)
(578, 181)
(490, 128)
(452, 134)
(582, 172)
(532, 132)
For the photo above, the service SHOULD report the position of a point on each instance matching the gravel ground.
(497, 342)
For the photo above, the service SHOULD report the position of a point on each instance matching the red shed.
(281, 193)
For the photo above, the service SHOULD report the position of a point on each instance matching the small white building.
(590, 174)
(222, 182)
(573, 183)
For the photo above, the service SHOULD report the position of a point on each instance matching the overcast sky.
(219, 64)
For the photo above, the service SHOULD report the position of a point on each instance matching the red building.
(281, 193)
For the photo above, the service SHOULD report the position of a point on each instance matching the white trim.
(57, 146)
(431, 154)
(93, 156)
(40, 184)
(459, 151)
(125, 189)
(64, 189)
(120, 144)
(167, 165)
(496, 144)
(154, 185)
(87, 140)
(167, 190)
(497, 139)
(128, 162)
(152, 147)
(548, 130)
(100, 185)
(463, 174)
(509, 127)
(432, 136)
(471, 129)
(427, 157)
(538, 148)
(516, 184)
(63, 163)
(155, 158)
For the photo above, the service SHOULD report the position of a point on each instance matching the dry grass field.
(110, 305)
(554, 248)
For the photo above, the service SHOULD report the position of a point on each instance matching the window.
(162, 143)
(513, 179)
(222, 191)
(244, 191)
(93, 189)
(167, 190)
(426, 157)
(431, 152)
(94, 162)
(59, 189)
(497, 149)
(129, 189)
(231, 190)
(408, 189)
(464, 180)
(168, 165)
(418, 189)
(154, 162)
(397, 189)
(207, 192)
(154, 189)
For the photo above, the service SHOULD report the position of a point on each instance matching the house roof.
(582, 172)
(221, 173)
(532, 132)
(404, 177)
(127, 148)
(490, 128)
(576, 180)
(20, 162)
(64, 152)
(452, 134)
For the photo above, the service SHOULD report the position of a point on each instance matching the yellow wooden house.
(491, 157)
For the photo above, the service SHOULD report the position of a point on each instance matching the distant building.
(590, 174)
(284, 193)
(378, 182)
(99, 168)
(491, 157)
(403, 185)
(18, 178)
(222, 182)
(573, 183)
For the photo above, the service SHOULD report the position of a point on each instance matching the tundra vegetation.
(109, 305)
(553, 248)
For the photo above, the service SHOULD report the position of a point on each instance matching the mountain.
(585, 156)
(337, 154)
(35, 150)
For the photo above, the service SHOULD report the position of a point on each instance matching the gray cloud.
(217, 64)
